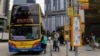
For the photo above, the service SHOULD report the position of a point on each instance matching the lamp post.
(76, 11)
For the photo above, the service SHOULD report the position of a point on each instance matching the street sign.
(70, 11)
(84, 6)
(76, 31)
(83, 1)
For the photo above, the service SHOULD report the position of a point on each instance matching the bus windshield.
(25, 14)
(24, 32)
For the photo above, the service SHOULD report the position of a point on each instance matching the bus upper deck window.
(25, 8)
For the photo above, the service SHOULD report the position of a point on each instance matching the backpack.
(44, 40)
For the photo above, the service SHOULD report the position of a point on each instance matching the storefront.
(3, 23)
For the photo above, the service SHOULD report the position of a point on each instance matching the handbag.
(96, 44)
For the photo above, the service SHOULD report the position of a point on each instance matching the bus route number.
(24, 20)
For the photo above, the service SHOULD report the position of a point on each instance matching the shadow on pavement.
(26, 53)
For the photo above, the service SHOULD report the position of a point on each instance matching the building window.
(1, 29)
(1, 25)
(65, 4)
(30, 1)
(1, 22)
(59, 4)
(55, 4)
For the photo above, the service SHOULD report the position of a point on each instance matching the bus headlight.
(12, 45)
(35, 44)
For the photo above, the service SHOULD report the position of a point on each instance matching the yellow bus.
(25, 28)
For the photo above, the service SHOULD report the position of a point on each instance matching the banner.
(70, 11)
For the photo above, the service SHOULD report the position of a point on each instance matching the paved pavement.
(81, 51)
(4, 51)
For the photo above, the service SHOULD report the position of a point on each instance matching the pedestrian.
(49, 38)
(48, 33)
(92, 41)
(55, 41)
(44, 42)
(61, 38)
(29, 35)
(88, 48)
(71, 48)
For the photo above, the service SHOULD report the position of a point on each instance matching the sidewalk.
(81, 52)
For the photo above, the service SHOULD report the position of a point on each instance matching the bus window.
(24, 32)
(24, 15)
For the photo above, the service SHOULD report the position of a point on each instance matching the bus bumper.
(36, 48)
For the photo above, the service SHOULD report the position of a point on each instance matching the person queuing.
(44, 42)
(92, 41)
(55, 41)
(61, 39)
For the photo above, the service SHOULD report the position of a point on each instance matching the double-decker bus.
(25, 28)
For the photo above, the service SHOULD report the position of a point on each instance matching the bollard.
(50, 48)
(76, 51)
(66, 47)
